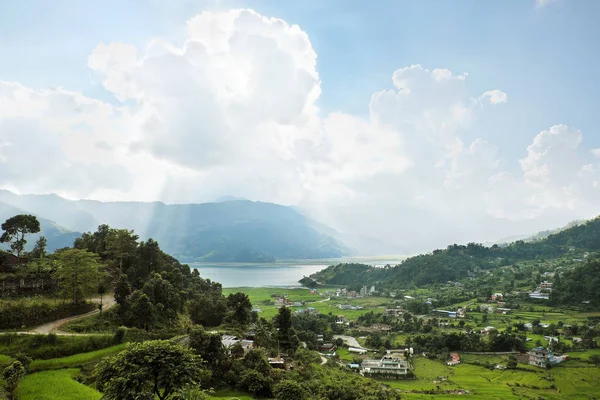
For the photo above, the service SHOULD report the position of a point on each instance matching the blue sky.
(519, 160)
(543, 57)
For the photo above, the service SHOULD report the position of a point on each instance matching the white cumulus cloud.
(232, 109)
(495, 96)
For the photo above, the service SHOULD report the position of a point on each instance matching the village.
(546, 339)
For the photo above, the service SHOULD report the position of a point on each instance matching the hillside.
(458, 261)
(226, 231)
(57, 236)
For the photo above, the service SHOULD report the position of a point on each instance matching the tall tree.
(143, 312)
(148, 370)
(288, 341)
(94, 242)
(16, 228)
(78, 273)
(241, 309)
(120, 246)
(39, 250)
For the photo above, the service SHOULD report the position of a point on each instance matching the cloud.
(232, 109)
(544, 3)
(595, 152)
(495, 96)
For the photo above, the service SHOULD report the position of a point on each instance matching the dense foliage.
(578, 285)
(458, 261)
(151, 369)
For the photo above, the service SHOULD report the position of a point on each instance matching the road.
(108, 301)
(350, 340)
(323, 301)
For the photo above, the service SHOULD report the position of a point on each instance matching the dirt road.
(108, 301)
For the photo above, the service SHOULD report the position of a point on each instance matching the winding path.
(108, 301)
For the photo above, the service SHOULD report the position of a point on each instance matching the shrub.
(119, 335)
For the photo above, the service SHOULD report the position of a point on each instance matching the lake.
(282, 275)
(257, 275)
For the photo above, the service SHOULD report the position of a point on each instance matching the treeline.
(578, 286)
(444, 342)
(153, 288)
(457, 261)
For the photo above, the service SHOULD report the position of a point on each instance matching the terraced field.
(481, 383)
(55, 385)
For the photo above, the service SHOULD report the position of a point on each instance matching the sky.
(416, 123)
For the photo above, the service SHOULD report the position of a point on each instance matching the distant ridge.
(230, 230)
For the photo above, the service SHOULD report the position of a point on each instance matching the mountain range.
(230, 230)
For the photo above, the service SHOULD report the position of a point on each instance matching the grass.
(4, 359)
(261, 297)
(570, 382)
(55, 385)
(76, 360)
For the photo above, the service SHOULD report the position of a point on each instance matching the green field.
(483, 383)
(76, 360)
(55, 385)
(261, 297)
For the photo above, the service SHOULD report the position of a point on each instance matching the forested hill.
(227, 231)
(457, 261)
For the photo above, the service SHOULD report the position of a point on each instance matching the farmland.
(55, 385)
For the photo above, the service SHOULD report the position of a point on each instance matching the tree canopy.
(150, 369)
(77, 273)
(16, 229)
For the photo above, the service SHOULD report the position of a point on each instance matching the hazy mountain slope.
(56, 235)
(65, 212)
(241, 231)
(227, 231)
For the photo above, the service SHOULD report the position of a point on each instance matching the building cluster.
(390, 365)
(542, 291)
(460, 313)
(229, 340)
(363, 292)
(349, 307)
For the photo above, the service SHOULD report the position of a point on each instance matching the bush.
(289, 390)
(23, 315)
(119, 335)
(256, 383)
(52, 346)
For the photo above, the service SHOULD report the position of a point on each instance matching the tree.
(16, 228)
(209, 347)
(39, 250)
(120, 245)
(161, 291)
(12, 376)
(512, 362)
(77, 273)
(101, 291)
(147, 370)
(122, 292)
(288, 341)
(256, 383)
(143, 312)
(595, 359)
(241, 308)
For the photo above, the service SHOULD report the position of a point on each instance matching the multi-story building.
(389, 365)
(542, 357)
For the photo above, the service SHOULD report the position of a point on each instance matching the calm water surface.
(256, 275)
(283, 275)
